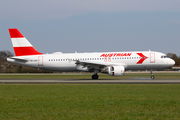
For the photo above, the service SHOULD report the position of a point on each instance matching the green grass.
(90, 101)
(175, 75)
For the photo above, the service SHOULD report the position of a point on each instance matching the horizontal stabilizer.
(17, 59)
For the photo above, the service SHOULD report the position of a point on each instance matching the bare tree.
(174, 57)
(3, 64)
(4, 54)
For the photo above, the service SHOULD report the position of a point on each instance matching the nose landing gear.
(152, 76)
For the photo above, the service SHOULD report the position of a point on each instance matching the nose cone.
(171, 62)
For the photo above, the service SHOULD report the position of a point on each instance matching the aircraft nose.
(172, 62)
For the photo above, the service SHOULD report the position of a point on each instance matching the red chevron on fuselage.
(143, 57)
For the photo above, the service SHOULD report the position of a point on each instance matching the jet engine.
(116, 70)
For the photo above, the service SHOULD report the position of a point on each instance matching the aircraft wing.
(97, 65)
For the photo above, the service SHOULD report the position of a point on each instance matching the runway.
(132, 81)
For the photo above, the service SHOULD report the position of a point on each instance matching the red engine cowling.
(116, 70)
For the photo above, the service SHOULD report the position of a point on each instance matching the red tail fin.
(21, 45)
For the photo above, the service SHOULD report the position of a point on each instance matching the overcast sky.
(93, 25)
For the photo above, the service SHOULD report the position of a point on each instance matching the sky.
(93, 25)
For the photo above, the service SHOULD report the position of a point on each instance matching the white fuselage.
(136, 60)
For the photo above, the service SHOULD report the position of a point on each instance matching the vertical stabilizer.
(21, 45)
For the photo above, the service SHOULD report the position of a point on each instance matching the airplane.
(112, 63)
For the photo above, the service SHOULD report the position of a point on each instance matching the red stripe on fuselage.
(14, 33)
(143, 57)
(22, 51)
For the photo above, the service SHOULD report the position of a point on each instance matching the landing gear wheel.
(152, 77)
(95, 77)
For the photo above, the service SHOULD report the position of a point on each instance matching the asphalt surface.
(133, 81)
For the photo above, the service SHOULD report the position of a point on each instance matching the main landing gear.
(95, 76)
(152, 76)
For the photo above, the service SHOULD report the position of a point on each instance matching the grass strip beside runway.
(89, 101)
(175, 75)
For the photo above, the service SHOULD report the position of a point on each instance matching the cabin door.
(40, 60)
(152, 57)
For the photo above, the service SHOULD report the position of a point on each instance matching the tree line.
(175, 58)
(6, 67)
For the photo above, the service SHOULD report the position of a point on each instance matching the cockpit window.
(164, 56)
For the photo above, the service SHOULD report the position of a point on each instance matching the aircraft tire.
(152, 77)
(95, 77)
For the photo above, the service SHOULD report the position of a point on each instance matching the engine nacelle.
(116, 70)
